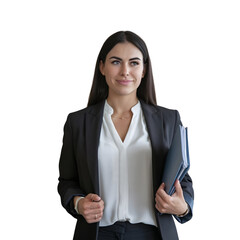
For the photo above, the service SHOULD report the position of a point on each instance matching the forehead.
(125, 50)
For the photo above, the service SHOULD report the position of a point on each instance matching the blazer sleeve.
(68, 185)
(186, 185)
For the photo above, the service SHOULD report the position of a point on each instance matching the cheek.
(110, 73)
(109, 77)
(139, 76)
(139, 82)
(139, 72)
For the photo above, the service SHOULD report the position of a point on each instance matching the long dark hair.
(145, 91)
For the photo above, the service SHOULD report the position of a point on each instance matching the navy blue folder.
(177, 161)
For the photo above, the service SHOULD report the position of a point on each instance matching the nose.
(125, 70)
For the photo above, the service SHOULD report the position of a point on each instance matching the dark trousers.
(128, 231)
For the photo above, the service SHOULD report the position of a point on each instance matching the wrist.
(76, 201)
(185, 212)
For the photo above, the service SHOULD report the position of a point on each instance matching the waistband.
(122, 227)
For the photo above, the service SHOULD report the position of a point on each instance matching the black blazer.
(78, 164)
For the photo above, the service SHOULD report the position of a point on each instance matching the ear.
(101, 67)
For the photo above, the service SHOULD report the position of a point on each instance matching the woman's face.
(123, 69)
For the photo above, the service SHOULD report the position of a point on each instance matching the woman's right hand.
(90, 207)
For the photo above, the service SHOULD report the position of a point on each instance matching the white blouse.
(125, 171)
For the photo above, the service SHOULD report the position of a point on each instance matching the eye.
(134, 63)
(115, 62)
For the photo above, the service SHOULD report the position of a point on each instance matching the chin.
(127, 93)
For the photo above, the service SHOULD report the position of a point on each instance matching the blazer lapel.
(93, 128)
(154, 122)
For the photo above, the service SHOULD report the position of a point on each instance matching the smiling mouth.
(124, 82)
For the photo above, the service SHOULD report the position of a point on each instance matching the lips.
(124, 82)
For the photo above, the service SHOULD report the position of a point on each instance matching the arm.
(68, 186)
(90, 206)
(186, 186)
(182, 199)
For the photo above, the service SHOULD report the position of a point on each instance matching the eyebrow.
(131, 59)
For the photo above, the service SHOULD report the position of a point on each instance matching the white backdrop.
(48, 51)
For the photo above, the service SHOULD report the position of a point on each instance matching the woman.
(113, 152)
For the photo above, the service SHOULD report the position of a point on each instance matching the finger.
(87, 206)
(161, 206)
(163, 195)
(93, 197)
(97, 205)
(159, 197)
(162, 186)
(95, 215)
(178, 188)
(93, 218)
(96, 208)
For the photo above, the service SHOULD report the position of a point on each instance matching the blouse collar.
(135, 109)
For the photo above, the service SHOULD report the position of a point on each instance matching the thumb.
(93, 197)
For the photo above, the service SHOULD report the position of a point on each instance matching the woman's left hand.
(174, 204)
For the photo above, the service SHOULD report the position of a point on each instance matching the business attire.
(79, 164)
(127, 166)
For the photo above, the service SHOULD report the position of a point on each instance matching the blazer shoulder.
(169, 115)
(92, 110)
(163, 111)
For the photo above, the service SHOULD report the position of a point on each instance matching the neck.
(122, 104)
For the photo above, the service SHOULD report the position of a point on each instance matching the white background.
(48, 51)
